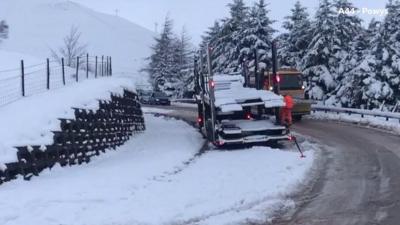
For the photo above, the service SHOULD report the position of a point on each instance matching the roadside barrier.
(361, 112)
(89, 134)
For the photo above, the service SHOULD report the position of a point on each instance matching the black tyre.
(297, 118)
(209, 130)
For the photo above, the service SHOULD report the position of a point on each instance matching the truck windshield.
(291, 82)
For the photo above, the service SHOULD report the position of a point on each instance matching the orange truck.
(291, 83)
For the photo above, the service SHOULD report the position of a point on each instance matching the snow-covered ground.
(148, 182)
(30, 120)
(36, 26)
(392, 125)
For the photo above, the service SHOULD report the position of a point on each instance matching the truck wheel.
(297, 118)
(209, 130)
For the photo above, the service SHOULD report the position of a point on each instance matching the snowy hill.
(38, 25)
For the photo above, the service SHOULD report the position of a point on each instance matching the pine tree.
(161, 67)
(294, 43)
(348, 27)
(184, 60)
(349, 92)
(391, 53)
(319, 62)
(3, 30)
(257, 34)
(377, 76)
(352, 39)
(225, 53)
(384, 84)
(211, 37)
(171, 64)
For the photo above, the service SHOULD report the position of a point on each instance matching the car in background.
(159, 98)
(144, 96)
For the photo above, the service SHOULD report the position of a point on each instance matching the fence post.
(87, 66)
(48, 73)
(63, 70)
(95, 70)
(110, 66)
(107, 66)
(77, 69)
(102, 65)
(23, 78)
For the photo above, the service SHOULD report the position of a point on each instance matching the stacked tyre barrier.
(91, 133)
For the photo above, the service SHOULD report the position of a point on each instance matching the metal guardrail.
(361, 112)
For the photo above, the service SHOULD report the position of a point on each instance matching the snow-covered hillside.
(38, 25)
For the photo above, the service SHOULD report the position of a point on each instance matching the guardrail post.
(77, 69)
(22, 78)
(63, 70)
(48, 73)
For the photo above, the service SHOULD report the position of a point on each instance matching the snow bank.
(392, 125)
(147, 182)
(101, 192)
(30, 120)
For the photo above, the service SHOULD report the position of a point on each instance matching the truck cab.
(291, 83)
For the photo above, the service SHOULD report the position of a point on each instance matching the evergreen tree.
(319, 62)
(294, 43)
(376, 77)
(161, 67)
(349, 92)
(257, 34)
(171, 64)
(348, 27)
(384, 84)
(184, 60)
(352, 40)
(225, 51)
(3, 30)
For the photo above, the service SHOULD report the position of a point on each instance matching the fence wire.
(15, 83)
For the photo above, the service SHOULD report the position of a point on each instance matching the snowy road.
(357, 180)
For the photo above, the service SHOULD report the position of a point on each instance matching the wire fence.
(28, 80)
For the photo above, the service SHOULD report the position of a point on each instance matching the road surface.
(357, 183)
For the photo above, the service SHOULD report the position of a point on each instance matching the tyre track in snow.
(358, 183)
(188, 115)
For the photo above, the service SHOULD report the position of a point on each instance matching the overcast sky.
(197, 15)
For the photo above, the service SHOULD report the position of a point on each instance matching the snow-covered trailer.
(230, 113)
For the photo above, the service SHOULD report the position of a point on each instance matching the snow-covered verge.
(147, 181)
(30, 120)
(392, 125)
